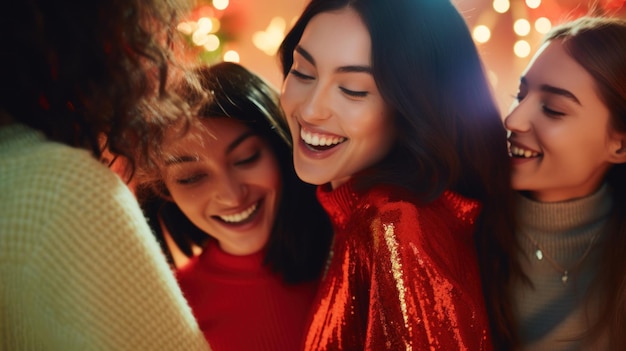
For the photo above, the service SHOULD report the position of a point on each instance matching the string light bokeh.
(506, 32)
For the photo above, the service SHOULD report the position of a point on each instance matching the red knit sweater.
(241, 305)
(402, 276)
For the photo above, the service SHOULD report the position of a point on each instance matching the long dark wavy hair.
(300, 239)
(81, 70)
(450, 132)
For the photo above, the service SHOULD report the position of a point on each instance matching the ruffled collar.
(340, 203)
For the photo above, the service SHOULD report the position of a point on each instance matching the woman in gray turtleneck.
(567, 284)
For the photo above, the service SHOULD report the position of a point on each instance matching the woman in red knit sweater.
(228, 185)
(392, 117)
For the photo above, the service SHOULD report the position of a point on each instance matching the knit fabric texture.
(241, 305)
(553, 314)
(79, 267)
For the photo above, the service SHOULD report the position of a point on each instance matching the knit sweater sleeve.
(94, 277)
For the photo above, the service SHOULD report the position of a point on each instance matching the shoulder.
(386, 212)
(47, 182)
(448, 206)
(439, 232)
(47, 165)
(75, 181)
(392, 209)
(71, 201)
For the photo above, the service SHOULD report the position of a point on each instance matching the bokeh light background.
(507, 32)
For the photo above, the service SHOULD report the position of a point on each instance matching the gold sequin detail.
(396, 268)
(403, 275)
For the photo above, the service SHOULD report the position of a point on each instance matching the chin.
(310, 177)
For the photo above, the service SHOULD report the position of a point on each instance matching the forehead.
(553, 66)
(204, 135)
(338, 37)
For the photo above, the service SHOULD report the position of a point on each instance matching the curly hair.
(81, 70)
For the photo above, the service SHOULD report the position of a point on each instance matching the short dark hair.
(300, 239)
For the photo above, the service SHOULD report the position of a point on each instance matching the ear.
(618, 149)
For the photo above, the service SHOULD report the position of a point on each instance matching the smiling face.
(226, 180)
(561, 141)
(337, 117)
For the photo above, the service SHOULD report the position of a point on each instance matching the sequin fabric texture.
(400, 276)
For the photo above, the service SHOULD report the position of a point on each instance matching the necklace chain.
(540, 254)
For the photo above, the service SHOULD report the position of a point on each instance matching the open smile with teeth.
(320, 142)
(521, 152)
(241, 216)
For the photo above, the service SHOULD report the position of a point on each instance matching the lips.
(320, 141)
(242, 217)
(520, 151)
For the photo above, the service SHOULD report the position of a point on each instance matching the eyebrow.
(180, 159)
(343, 69)
(238, 141)
(556, 91)
(188, 158)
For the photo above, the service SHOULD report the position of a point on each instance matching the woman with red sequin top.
(392, 118)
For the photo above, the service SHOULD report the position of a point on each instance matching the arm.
(417, 299)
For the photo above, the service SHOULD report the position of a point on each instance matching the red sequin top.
(400, 276)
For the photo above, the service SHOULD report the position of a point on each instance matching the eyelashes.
(197, 177)
(300, 75)
(547, 110)
(348, 92)
(249, 160)
(190, 180)
(352, 93)
(550, 112)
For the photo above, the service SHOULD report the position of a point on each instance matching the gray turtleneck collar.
(552, 311)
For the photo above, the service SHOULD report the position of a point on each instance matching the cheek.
(287, 96)
(376, 127)
(579, 141)
(268, 179)
(190, 202)
(294, 94)
(270, 176)
(388, 132)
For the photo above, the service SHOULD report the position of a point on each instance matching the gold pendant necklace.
(540, 254)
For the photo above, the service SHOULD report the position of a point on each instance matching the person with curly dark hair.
(79, 266)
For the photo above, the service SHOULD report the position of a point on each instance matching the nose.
(518, 120)
(316, 105)
(229, 191)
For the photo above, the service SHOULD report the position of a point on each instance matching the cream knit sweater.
(79, 267)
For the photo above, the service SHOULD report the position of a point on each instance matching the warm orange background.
(497, 54)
